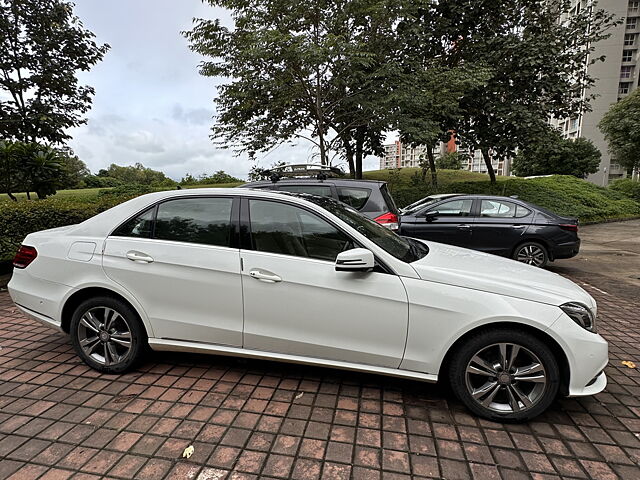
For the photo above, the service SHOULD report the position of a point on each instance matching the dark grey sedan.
(503, 226)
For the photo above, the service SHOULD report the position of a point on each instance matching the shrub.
(128, 190)
(628, 187)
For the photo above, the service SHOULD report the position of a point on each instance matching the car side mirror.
(355, 260)
(430, 215)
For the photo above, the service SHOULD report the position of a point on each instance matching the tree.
(217, 178)
(451, 161)
(621, 128)
(320, 70)
(75, 171)
(42, 47)
(556, 155)
(11, 177)
(537, 53)
(136, 174)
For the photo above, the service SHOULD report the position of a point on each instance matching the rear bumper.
(566, 250)
(43, 319)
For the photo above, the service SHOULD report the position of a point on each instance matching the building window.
(626, 71)
(629, 39)
(631, 23)
(627, 55)
(623, 88)
(634, 7)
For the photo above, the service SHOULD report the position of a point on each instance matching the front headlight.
(581, 315)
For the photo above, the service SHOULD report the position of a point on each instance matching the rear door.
(452, 224)
(180, 260)
(500, 225)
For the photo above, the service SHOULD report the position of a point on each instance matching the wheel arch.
(85, 293)
(558, 352)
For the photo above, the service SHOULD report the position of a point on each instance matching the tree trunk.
(348, 149)
(12, 196)
(359, 152)
(28, 195)
(432, 167)
(487, 162)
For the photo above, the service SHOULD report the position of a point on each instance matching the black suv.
(503, 226)
(371, 198)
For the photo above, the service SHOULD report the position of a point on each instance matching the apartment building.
(397, 155)
(616, 77)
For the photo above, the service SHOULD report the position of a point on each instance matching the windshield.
(403, 248)
(414, 207)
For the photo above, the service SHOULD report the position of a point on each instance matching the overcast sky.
(151, 105)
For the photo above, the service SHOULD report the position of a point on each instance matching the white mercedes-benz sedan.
(307, 279)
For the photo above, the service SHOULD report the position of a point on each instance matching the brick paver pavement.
(253, 419)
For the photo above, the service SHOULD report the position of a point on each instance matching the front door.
(176, 260)
(450, 222)
(296, 303)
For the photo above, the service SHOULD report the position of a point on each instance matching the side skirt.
(167, 345)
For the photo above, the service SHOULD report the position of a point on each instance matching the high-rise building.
(398, 155)
(616, 77)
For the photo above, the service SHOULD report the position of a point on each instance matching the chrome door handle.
(139, 257)
(464, 227)
(518, 227)
(264, 276)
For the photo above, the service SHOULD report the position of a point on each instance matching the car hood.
(489, 273)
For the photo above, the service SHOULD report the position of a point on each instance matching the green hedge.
(18, 219)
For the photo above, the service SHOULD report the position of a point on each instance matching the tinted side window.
(500, 209)
(320, 190)
(289, 230)
(195, 220)
(354, 197)
(138, 227)
(455, 208)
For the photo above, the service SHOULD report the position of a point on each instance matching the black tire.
(487, 344)
(119, 357)
(531, 253)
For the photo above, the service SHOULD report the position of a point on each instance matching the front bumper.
(587, 354)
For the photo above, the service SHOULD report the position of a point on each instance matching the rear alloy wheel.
(505, 375)
(107, 334)
(531, 253)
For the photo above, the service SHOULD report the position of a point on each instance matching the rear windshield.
(388, 199)
(354, 196)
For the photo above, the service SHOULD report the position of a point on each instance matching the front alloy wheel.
(107, 334)
(505, 375)
(506, 378)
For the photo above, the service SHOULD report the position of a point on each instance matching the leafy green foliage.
(219, 177)
(136, 174)
(451, 161)
(628, 187)
(42, 47)
(556, 155)
(621, 128)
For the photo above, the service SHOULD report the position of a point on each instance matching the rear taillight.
(24, 257)
(569, 227)
(389, 220)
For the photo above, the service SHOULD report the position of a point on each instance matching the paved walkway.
(256, 419)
